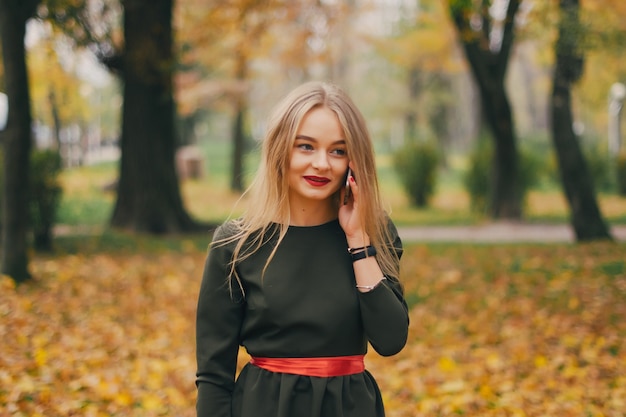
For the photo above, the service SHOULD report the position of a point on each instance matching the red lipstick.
(316, 181)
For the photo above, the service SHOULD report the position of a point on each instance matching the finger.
(354, 188)
(343, 196)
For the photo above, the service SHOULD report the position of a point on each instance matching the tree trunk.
(410, 116)
(488, 67)
(148, 195)
(577, 182)
(506, 198)
(238, 132)
(56, 120)
(239, 141)
(16, 139)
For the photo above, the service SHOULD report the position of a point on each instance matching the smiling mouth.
(316, 181)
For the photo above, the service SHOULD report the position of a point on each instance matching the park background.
(104, 323)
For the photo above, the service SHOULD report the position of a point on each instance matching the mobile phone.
(348, 190)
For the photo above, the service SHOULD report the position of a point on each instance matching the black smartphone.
(348, 190)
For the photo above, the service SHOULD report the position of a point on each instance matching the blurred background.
(480, 110)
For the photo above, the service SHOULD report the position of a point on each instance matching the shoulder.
(225, 237)
(389, 226)
(392, 235)
(235, 236)
(227, 231)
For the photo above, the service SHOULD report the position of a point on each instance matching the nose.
(320, 161)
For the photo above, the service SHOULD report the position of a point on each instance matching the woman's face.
(319, 158)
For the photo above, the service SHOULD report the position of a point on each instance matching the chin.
(319, 197)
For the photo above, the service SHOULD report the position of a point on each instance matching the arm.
(383, 309)
(218, 322)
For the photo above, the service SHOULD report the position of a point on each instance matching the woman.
(303, 280)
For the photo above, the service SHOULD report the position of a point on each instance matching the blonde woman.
(306, 278)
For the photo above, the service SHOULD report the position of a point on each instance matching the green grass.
(85, 203)
(74, 211)
(119, 242)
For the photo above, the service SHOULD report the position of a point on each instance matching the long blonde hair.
(268, 194)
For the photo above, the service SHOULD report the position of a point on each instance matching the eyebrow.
(304, 137)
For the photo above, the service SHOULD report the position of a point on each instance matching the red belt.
(321, 367)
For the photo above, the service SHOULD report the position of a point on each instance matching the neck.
(312, 213)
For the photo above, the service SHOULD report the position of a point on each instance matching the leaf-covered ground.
(495, 331)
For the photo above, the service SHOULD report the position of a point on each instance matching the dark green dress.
(306, 305)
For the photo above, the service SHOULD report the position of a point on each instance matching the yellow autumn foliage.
(494, 332)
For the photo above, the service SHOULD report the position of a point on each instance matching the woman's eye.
(339, 152)
(305, 147)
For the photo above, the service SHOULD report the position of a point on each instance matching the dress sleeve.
(384, 310)
(218, 322)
